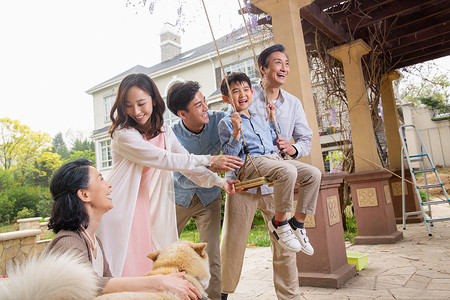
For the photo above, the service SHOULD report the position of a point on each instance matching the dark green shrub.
(25, 213)
(7, 209)
(44, 205)
(15, 198)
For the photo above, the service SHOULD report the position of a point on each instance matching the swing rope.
(266, 100)
(246, 150)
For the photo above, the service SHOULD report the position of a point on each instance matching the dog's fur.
(58, 275)
(177, 257)
(53, 275)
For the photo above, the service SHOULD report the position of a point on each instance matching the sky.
(52, 51)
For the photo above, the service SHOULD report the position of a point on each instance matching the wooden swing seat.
(253, 183)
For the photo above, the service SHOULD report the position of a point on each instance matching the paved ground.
(417, 267)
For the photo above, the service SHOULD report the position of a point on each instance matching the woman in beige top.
(82, 197)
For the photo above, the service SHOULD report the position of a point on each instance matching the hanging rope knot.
(246, 150)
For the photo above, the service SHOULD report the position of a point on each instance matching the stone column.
(363, 136)
(394, 144)
(328, 267)
(370, 190)
(391, 121)
(287, 30)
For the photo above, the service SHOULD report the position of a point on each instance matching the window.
(109, 101)
(246, 66)
(169, 117)
(105, 150)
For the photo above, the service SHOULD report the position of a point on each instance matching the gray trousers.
(208, 224)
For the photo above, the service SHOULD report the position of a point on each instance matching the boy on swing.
(260, 139)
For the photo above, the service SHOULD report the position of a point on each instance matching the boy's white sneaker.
(300, 234)
(285, 237)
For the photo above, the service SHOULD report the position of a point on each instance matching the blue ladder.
(426, 166)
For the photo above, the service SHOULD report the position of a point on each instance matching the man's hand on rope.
(285, 146)
(228, 187)
(224, 163)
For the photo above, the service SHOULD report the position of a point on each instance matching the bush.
(258, 219)
(423, 195)
(44, 205)
(7, 209)
(15, 198)
(191, 225)
(25, 213)
(352, 230)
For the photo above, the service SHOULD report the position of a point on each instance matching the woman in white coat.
(145, 151)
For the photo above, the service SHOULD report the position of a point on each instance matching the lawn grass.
(258, 237)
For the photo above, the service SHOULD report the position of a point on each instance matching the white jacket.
(130, 153)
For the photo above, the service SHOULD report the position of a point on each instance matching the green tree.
(60, 147)
(83, 145)
(44, 167)
(26, 165)
(12, 137)
(88, 154)
(20, 147)
(36, 144)
(436, 105)
(426, 80)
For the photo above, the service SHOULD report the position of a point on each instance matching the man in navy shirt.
(197, 131)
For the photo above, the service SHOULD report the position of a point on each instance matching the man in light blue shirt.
(197, 132)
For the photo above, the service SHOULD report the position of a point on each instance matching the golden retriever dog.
(177, 257)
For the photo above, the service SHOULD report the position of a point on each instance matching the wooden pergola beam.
(427, 11)
(418, 27)
(423, 58)
(415, 37)
(384, 12)
(422, 45)
(356, 8)
(324, 23)
(324, 4)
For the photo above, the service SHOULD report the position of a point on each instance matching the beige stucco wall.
(435, 134)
